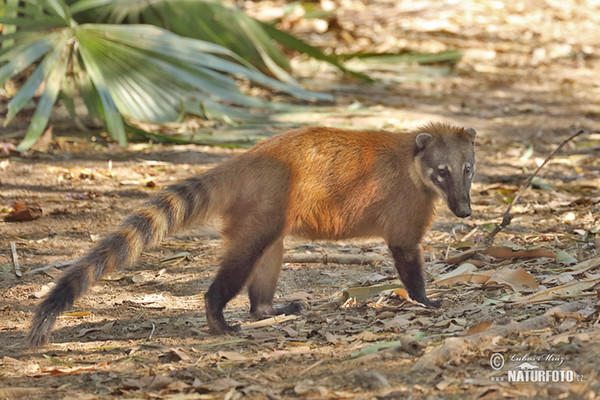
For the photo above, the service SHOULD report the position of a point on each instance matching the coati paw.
(223, 329)
(290, 308)
(266, 311)
(431, 303)
(427, 302)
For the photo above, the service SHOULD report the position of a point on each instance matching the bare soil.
(527, 80)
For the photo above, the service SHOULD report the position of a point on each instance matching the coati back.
(316, 182)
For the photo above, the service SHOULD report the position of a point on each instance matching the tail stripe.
(113, 250)
(143, 222)
(164, 203)
(191, 192)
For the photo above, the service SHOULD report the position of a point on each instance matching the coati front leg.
(409, 265)
(263, 283)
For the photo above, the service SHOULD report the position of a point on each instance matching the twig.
(15, 259)
(324, 258)
(305, 370)
(58, 264)
(507, 217)
(269, 321)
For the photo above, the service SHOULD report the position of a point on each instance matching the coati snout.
(448, 165)
(313, 182)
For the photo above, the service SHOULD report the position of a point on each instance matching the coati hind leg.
(263, 283)
(409, 265)
(247, 237)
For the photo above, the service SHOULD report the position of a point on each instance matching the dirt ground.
(527, 80)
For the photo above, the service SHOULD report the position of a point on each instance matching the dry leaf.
(104, 328)
(296, 296)
(232, 356)
(396, 323)
(478, 328)
(78, 314)
(366, 336)
(174, 355)
(559, 291)
(24, 212)
(507, 252)
(18, 392)
(518, 279)
(402, 293)
(218, 385)
(331, 338)
(72, 370)
(152, 382)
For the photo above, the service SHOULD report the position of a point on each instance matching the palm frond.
(126, 72)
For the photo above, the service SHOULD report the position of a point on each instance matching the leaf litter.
(536, 291)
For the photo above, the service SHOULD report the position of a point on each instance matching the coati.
(313, 182)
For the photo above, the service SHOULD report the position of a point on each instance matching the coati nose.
(463, 212)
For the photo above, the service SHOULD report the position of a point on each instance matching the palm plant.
(138, 72)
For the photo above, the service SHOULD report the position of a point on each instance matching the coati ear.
(471, 133)
(422, 139)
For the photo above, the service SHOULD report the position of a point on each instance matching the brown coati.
(317, 183)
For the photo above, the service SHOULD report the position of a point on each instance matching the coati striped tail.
(178, 206)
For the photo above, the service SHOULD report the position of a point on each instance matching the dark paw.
(266, 311)
(427, 302)
(223, 329)
(291, 308)
(433, 303)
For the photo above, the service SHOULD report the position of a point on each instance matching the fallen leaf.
(366, 336)
(72, 370)
(218, 385)
(53, 272)
(24, 212)
(139, 278)
(396, 323)
(231, 356)
(44, 290)
(375, 348)
(507, 252)
(18, 392)
(478, 328)
(402, 293)
(571, 288)
(518, 279)
(296, 296)
(175, 259)
(565, 258)
(104, 328)
(332, 338)
(174, 355)
(78, 314)
(366, 292)
(152, 382)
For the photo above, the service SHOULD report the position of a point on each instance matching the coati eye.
(443, 172)
(468, 170)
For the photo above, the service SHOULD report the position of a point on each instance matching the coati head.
(446, 160)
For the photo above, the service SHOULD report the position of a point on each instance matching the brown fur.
(319, 183)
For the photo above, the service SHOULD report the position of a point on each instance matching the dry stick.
(58, 264)
(507, 217)
(15, 259)
(324, 258)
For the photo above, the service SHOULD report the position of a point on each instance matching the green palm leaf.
(126, 72)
